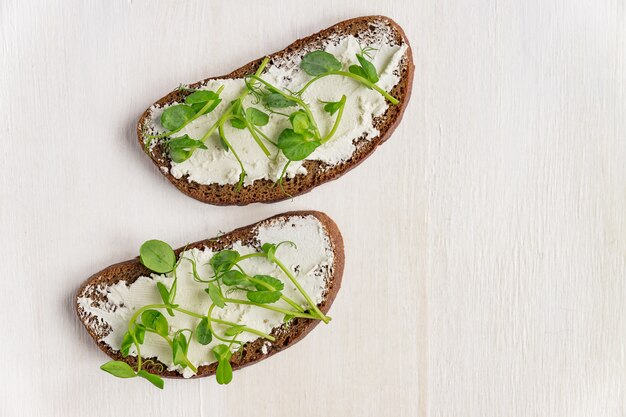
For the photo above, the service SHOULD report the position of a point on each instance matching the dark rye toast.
(252, 352)
(266, 191)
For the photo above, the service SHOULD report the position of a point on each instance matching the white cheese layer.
(311, 262)
(215, 165)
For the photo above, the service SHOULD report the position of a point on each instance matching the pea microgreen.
(175, 117)
(296, 143)
(223, 261)
(119, 369)
(319, 62)
(198, 103)
(368, 68)
(266, 282)
(300, 121)
(235, 278)
(224, 371)
(319, 65)
(156, 380)
(123, 370)
(127, 344)
(257, 117)
(277, 101)
(297, 146)
(204, 336)
(165, 296)
(237, 119)
(261, 291)
(234, 330)
(180, 347)
(365, 69)
(157, 256)
(216, 295)
(203, 101)
(139, 332)
(331, 107)
(181, 148)
(269, 249)
(155, 321)
(263, 296)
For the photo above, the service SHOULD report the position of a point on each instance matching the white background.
(485, 242)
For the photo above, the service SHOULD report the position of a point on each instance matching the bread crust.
(265, 191)
(286, 335)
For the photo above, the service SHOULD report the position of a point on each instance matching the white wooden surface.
(485, 243)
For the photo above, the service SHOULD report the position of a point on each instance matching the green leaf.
(203, 332)
(257, 117)
(163, 292)
(176, 116)
(277, 101)
(295, 146)
(234, 330)
(287, 318)
(269, 249)
(178, 356)
(127, 343)
(155, 321)
(179, 350)
(235, 277)
(355, 69)
(119, 369)
(180, 346)
(333, 107)
(237, 118)
(199, 106)
(319, 62)
(186, 142)
(181, 148)
(200, 98)
(222, 352)
(216, 295)
(237, 123)
(271, 283)
(165, 296)
(156, 380)
(223, 261)
(224, 144)
(300, 121)
(157, 256)
(263, 297)
(237, 108)
(179, 155)
(223, 140)
(140, 333)
(224, 372)
(182, 341)
(368, 68)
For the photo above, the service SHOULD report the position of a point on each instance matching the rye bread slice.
(254, 351)
(265, 191)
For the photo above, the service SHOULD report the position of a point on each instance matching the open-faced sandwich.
(286, 123)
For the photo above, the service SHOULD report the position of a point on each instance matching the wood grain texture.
(485, 242)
